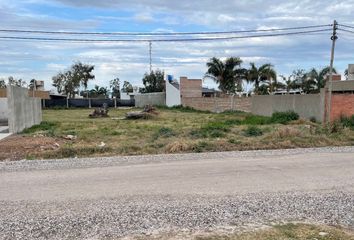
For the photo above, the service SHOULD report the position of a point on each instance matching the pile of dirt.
(18, 147)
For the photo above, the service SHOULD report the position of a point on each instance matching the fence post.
(115, 102)
(89, 102)
(67, 102)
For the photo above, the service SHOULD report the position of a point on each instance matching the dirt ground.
(18, 147)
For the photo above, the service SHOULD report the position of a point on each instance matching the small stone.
(322, 234)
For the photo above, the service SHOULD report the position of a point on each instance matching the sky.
(129, 61)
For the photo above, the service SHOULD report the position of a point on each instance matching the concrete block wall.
(218, 104)
(4, 115)
(190, 87)
(23, 111)
(307, 106)
(155, 99)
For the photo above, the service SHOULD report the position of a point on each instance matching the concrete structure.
(190, 87)
(342, 99)
(23, 111)
(173, 94)
(156, 99)
(307, 106)
(4, 115)
(351, 72)
(219, 104)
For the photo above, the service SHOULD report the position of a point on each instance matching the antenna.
(150, 53)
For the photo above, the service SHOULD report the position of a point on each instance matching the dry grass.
(278, 232)
(176, 131)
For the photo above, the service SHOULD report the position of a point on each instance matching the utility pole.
(330, 83)
(150, 53)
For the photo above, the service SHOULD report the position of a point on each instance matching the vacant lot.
(171, 131)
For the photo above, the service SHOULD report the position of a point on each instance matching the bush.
(284, 117)
(347, 121)
(253, 131)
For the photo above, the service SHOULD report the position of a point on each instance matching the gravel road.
(107, 198)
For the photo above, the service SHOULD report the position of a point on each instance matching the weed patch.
(47, 127)
(253, 131)
(284, 117)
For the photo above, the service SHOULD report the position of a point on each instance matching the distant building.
(130, 95)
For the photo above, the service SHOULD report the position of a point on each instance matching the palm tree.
(263, 74)
(289, 83)
(227, 74)
(318, 77)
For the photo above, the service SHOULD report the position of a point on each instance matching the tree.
(16, 82)
(289, 83)
(127, 87)
(2, 83)
(346, 74)
(70, 81)
(265, 74)
(154, 82)
(229, 74)
(32, 84)
(298, 78)
(99, 92)
(317, 77)
(114, 84)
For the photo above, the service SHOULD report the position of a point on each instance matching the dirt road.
(124, 195)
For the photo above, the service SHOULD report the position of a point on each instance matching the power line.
(161, 34)
(162, 40)
(347, 26)
(345, 30)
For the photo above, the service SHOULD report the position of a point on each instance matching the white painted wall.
(124, 96)
(4, 114)
(173, 95)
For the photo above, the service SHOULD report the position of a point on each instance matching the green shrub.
(284, 117)
(213, 129)
(347, 121)
(253, 131)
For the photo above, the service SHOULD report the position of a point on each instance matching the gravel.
(28, 165)
(113, 218)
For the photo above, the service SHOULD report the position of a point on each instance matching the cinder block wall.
(24, 111)
(218, 104)
(155, 99)
(307, 106)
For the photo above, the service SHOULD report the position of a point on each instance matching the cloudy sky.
(129, 61)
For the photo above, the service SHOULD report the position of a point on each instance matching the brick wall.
(190, 87)
(218, 104)
(3, 93)
(342, 104)
(37, 94)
